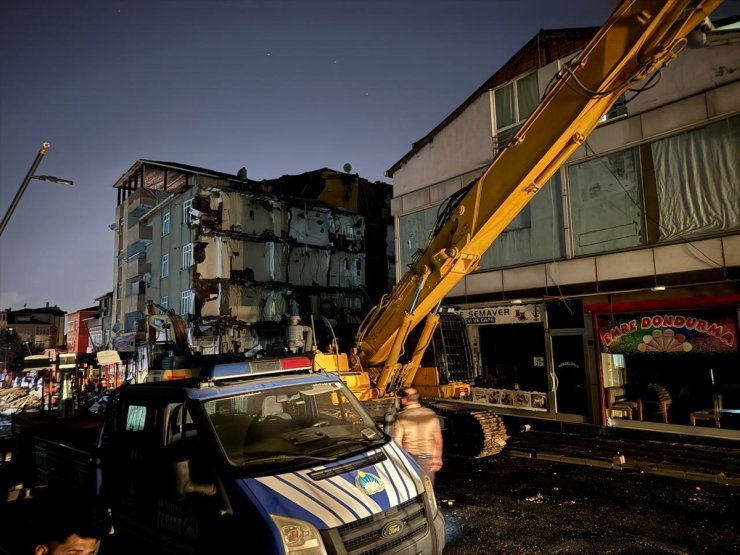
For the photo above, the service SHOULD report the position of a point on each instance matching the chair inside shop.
(709, 414)
(620, 405)
(660, 399)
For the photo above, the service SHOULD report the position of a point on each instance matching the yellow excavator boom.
(639, 38)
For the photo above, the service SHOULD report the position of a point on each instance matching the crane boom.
(639, 38)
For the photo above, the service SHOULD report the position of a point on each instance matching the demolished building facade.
(237, 258)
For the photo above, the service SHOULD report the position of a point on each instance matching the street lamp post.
(30, 175)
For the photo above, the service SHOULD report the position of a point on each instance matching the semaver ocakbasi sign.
(673, 332)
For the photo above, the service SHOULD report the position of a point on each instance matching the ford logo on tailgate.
(392, 528)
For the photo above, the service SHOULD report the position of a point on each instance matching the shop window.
(671, 367)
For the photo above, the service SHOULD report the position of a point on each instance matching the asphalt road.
(526, 506)
(511, 505)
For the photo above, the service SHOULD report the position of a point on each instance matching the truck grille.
(365, 537)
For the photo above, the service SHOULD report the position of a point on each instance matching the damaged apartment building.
(237, 258)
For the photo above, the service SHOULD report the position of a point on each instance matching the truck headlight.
(430, 495)
(299, 537)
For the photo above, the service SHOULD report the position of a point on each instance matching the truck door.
(157, 435)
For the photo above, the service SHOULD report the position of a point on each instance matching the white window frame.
(187, 256)
(187, 215)
(165, 224)
(512, 127)
(186, 302)
(165, 265)
(164, 301)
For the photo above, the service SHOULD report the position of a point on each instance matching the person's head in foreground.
(66, 527)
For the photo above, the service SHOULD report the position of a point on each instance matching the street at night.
(514, 504)
(517, 506)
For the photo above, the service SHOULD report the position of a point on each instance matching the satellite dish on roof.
(347, 167)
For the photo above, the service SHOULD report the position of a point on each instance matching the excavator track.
(470, 433)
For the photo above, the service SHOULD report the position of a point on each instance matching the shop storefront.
(531, 359)
(669, 364)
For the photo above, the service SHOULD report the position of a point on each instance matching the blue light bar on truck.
(257, 367)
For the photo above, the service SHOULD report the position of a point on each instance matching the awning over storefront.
(36, 362)
(108, 357)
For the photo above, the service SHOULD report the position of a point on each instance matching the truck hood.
(344, 491)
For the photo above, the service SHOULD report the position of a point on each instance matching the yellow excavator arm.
(639, 38)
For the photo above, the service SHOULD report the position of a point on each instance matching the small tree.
(13, 349)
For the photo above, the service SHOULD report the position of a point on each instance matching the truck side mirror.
(183, 485)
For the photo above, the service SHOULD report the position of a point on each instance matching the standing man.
(417, 430)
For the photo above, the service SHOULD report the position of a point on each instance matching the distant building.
(236, 257)
(99, 324)
(78, 334)
(42, 327)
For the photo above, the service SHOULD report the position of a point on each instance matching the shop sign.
(702, 332)
(125, 343)
(512, 314)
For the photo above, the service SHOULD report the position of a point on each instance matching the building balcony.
(139, 233)
(134, 303)
(137, 266)
(139, 203)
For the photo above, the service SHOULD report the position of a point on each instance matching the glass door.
(568, 374)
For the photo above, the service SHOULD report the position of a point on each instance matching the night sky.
(278, 86)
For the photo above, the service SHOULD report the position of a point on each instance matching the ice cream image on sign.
(664, 341)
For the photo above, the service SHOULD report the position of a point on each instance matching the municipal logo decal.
(369, 483)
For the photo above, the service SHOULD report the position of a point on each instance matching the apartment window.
(186, 302)
(514, 102)
(165, 224)
(42, 331)
(165, 265)
(413, 233)
(163, 302)
(696, 180)
(606, 203)
(187, 256)
(187, 215)
(119, 291)
(618, 109)
(534, 235)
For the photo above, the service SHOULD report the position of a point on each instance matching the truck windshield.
(301, 424)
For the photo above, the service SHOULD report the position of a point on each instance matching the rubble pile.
(17, 399)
